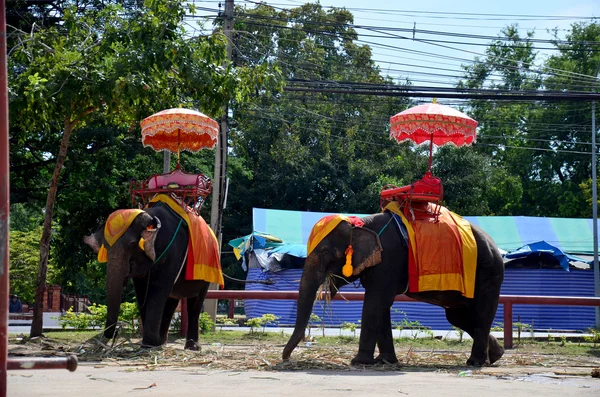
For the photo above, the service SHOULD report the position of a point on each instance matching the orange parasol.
(179, 129)
(435, 123)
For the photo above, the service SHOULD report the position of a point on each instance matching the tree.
(24, 260)
(474, 185)
(311, 151)
(90, 68)
(543, 143)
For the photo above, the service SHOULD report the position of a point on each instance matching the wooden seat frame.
(191, 189)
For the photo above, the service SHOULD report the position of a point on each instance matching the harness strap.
(385, 226)
(170, 242)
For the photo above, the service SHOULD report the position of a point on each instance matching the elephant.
(379, 245)
(158, 286)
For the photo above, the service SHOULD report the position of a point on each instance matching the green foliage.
(313, 320)
(96, 318)
(497, 327)
(262, 321)
(520, 328)
(460, 333)
(350, 327)
(594, 336)
(205, 323)
(24, 260)
(225, 321)
(415, 327)
(23, 218)
(129, 317)
(536, 143)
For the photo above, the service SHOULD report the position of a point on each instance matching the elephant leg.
(485, 345)
(156, 299)
(194, 306)
(385, 340)
(376, 309)
(167, 316)
(140, 286)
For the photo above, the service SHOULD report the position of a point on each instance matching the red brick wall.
(52, 298)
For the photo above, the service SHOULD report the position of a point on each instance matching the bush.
(257, 322)
(205, 323)
(96, 318)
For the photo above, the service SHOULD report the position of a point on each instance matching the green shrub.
(205, 323)
(350, 327)
(96, 318)
(594, 336)
(258, 322)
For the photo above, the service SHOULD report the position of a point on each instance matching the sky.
(428, 63)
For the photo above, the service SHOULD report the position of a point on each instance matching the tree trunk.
(38, 306)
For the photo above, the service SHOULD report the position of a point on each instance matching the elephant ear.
(149, 237)
(367, 249)
(95, 240)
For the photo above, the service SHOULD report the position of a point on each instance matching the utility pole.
(218, 194)
(595, 201)
(595, 213)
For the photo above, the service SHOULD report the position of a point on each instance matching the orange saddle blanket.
(442, 254)
(204, 259)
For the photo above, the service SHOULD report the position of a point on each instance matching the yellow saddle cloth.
(442, 255)
(203, 262)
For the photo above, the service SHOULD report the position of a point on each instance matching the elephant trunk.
(309, 284)
(115, 278)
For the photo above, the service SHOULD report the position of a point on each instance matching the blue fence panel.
(517, 282)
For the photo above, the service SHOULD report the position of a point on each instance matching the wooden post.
(4, 202)
(508, 334)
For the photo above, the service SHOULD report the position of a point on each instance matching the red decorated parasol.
(179, 129)
(435, 123)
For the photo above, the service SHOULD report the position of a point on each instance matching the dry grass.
(257, 354)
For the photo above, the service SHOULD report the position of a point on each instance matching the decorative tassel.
(102, 254)
(347, 269)
(141, 244)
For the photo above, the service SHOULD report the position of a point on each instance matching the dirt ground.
(256, 369)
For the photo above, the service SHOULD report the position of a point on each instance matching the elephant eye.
(327, 256)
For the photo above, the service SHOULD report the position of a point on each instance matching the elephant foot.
(150, 344)
(191, 344)
(477, 362)
(495, 351)
(386, 359)
(147, 346)
(363, 359)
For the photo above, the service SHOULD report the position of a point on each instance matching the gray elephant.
(379, 245)
(151, 251)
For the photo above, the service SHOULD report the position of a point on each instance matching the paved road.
(112, 381)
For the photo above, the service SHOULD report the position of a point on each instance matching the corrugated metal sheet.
(509, 233)
(517, 282)
(550, 282)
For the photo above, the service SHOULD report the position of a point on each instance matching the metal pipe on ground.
(69, 362)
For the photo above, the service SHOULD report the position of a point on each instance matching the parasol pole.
(166, 162)
(430, 153)
(178, 147)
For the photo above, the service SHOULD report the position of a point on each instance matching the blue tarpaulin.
(546, 251)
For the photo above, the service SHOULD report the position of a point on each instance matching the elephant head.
(344, 246)
(130, 254)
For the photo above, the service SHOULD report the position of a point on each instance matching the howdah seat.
(191, 189)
